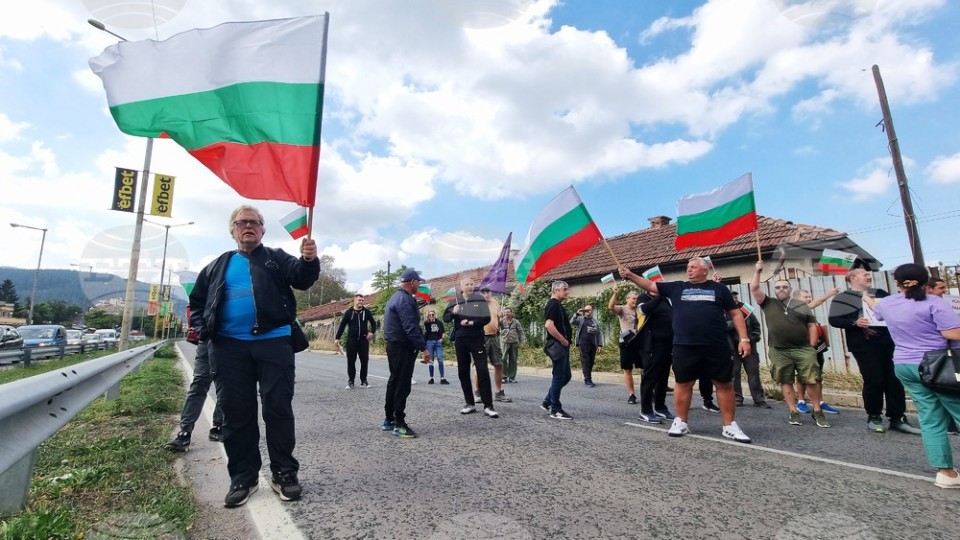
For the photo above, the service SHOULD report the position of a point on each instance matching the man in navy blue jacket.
(404, 336)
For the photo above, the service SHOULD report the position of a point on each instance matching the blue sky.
(449, 124)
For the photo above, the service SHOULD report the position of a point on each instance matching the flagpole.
(315, 160)
(757, 233)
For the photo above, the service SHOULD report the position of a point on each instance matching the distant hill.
(81, 288)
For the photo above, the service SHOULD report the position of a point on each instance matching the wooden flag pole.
(757, 233)
(615, 260)
(310, 223)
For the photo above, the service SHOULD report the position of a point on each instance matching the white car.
(108, 336)
(136, 335)
(94, 342)
(75, 339)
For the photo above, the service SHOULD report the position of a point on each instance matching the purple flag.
(496, 278)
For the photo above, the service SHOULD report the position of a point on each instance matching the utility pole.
(909, 218)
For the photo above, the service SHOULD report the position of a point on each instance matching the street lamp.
(129, 296)
(163, 264)
(36, 276)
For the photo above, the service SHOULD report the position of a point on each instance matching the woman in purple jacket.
(919, 323)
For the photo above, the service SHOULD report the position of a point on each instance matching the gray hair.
(557, 285)
(702, 261)
(242, 208)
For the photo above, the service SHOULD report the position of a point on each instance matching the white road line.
(794, 454)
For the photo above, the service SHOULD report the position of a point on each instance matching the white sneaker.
(469, 409)
(490, 412)
(678, 428)
(413, 381)
(734, 432)
(945, 482)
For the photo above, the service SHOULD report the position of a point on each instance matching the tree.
(98, 318)
(8, 293)
(329, 286)
(384, 283)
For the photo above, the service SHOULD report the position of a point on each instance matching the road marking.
(889, 472)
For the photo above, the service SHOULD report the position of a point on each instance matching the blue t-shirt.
(238, 311)
(698, 311)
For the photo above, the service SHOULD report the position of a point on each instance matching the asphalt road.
(603, 474)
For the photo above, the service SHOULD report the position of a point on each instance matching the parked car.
(75, 339)
(136, 335)
(10, 338)
(94, 341)
(44, 337)
(109, 337)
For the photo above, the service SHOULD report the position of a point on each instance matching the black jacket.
(359, 321)
(845, 309)
(473, 309)
(272, 273)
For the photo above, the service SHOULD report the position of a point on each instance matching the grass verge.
(110, 460)
(37, 367)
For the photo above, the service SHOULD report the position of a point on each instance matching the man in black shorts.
(700, 342)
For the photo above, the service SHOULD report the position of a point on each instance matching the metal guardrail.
(33, 409)
(26, 355)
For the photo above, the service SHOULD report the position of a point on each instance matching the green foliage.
(8, 293)
(55, 312)
(100, 319)
(328, 288)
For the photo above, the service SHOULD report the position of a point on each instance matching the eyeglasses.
(244, 223)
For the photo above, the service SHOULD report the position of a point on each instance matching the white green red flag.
(450, 295)
(295, 223)
(560, 232)
(423, 292)
(653, 274)
(747, 310)
(833, 261)
(712, 218)
(187, 279)
(607, 278)
(244, 98)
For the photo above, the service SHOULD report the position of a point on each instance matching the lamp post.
(163, 264)
(36, 275)
(130, 295)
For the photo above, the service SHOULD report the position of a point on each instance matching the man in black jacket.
(656, 354)
(243, 306)
(468, 314)
(872, 347)
(360, 327)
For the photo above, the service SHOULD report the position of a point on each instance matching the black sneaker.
(709, 406)
(180, 444)
(430, 381)
(632, 400)
(286, 486)
(444, 381)
(545, 405)
(216, 434)
(239, 495)
(560, 414)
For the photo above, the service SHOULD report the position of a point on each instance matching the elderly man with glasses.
(792, 339)
(589, 340)
(243, 305)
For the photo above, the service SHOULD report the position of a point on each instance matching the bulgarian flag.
(423, 292)
(244, 98)
(653, 274)
(711, 218)
(187, 280)
(560, 232)
(295, 223)
(836, 262)
(747, 310)
(450, 295)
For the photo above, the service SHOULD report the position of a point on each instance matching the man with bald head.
(700, 344)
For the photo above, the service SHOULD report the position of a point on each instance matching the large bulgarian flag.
(712, 218)
(560, 232)
(244, 98)
(833, 261)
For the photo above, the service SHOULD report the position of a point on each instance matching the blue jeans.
(435, 348)
(934, 410)
(560, 356)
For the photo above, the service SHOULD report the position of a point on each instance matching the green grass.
(37, 367)
(110, 460)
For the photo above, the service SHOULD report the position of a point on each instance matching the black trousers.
(879, 382)
(656, 374)
(588, 354)
(401, 358)
(241, 367)
(199, 388)
(468, 348)
(356, 348)
(752, 366)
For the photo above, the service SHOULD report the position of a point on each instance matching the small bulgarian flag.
(450, 295)
(747, 310)
(423, 292)
(607, 278)
(836, 262)
(296, 223)
(653, 274)
(709, 263)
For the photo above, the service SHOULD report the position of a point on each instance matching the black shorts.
(691, 362)
(630, 355)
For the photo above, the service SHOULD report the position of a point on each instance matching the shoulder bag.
(940, 369)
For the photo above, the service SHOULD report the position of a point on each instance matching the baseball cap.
(409, 275)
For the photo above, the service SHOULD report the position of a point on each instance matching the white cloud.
(874, 179)
(10, 130)
(944, 169)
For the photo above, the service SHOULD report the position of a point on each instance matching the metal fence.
(33, 409)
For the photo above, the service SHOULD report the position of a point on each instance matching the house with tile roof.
(791, 249)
